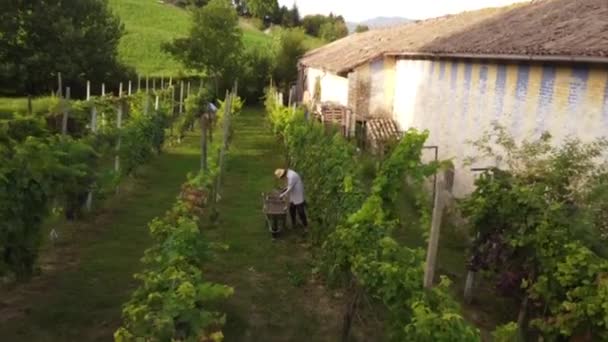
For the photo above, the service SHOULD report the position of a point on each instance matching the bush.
(535, 225)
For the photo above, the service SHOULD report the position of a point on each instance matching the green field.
(149, 24)
(18, 105)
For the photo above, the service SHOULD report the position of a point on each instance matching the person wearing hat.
(295, 190)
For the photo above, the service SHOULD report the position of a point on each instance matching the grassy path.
(275, 298)
(82, 301)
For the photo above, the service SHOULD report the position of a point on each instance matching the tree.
(312, 24)
(289, 49)
(361, 28)
(335, 30)
(78, 38)
(294, 16)
(257, 65)
(214, 43)
(330, 27)
(241, 7)
(262, 8)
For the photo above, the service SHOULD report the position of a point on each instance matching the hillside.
(148, 24)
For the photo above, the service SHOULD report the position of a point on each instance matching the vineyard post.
(103, 89)
(118, 126)
(138, 83)
(181, 97)
(431, 255)
(154, 83)
(204, 141)
(226, 124)
(162, 82)
(170, 81)
(60, 85)
(130, 88)
(156, 103)
(89, 202)
(66, 104)
(147, 84)
(172, 109)
(188, 90)
(468, 287)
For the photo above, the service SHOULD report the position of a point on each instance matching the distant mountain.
(379, 22)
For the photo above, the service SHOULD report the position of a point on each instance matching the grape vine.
(40, 167)
(357, 244)
(537, 226)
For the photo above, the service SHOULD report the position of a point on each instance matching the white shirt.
(295, 188)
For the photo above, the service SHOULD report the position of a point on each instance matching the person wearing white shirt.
(295, 191)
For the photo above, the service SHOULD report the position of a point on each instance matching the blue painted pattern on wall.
(468, 69)
(483, 88)
(545, 98)
(501, 83)
(521, 90)
(578, 86)
(453, 75)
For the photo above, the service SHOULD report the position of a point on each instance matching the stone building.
(532, 67)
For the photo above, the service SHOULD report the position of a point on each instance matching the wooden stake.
(66, 113)
(162, 82)
(120, 90)
(188, 91)
(172, 111)
(431, 255)
(103, 89)
(138, 83)
(119, 110)
(203, 120)
(130, 89)
(224, 146)
(60, 85)
(170, 81)
(156, 103)
(468, 287)
(88, 90)
(181, 97)
(147, 84)
(89, 202)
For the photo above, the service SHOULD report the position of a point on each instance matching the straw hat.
(279, 173)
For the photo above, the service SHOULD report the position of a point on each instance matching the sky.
(360, 10)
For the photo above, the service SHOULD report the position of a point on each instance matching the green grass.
(9, 106)
(149, 24)
(275, 298)
(95, 260)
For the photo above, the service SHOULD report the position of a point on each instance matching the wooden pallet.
(382, 130)
(332, 114)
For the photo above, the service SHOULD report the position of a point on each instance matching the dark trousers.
(300, 209)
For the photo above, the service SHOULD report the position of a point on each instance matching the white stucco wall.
(334, 88)
(458, 101)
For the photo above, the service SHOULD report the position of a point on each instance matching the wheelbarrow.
(275, 209)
